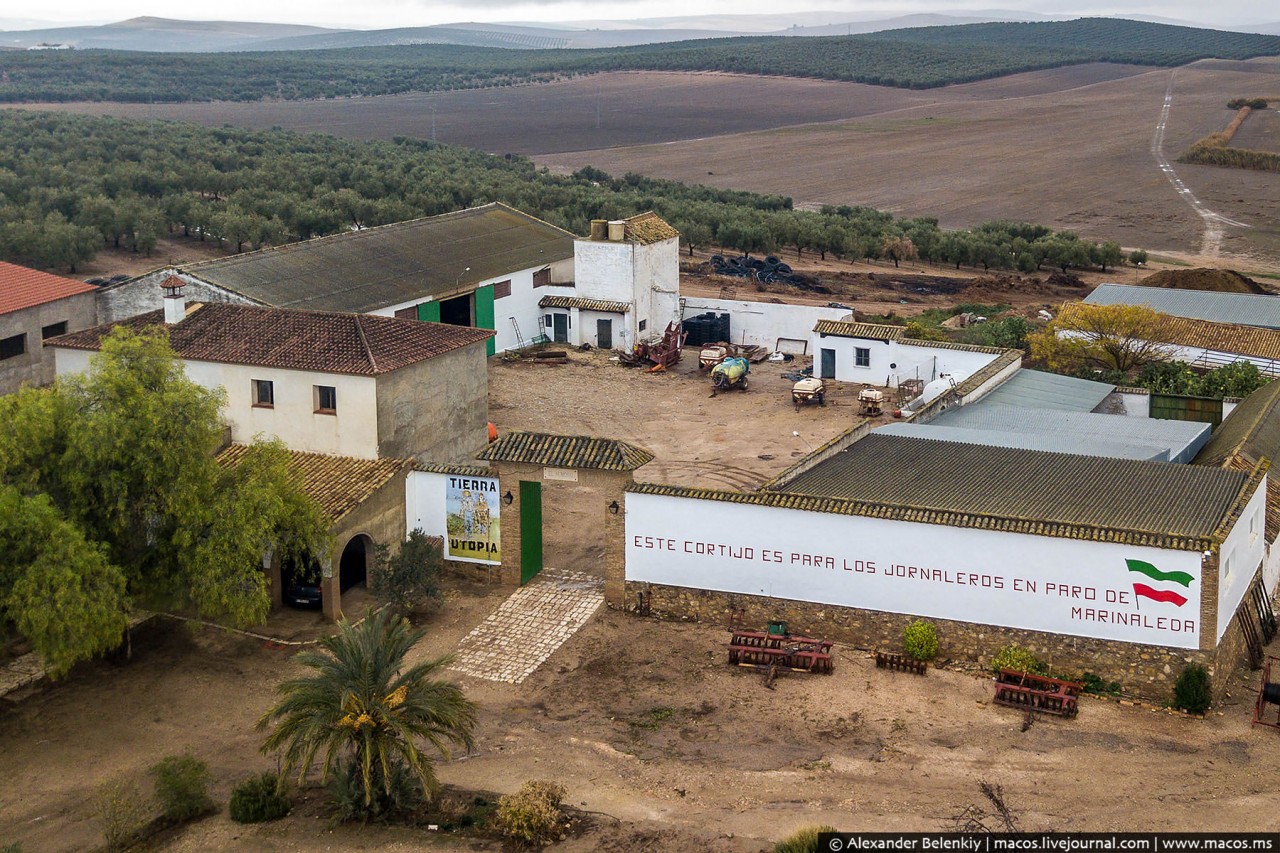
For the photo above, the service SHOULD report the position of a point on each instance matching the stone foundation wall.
(477, 572)
(1148, 672)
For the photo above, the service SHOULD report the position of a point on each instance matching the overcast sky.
(377, 14)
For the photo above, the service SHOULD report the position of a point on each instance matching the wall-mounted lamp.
(507, 498)
(613, 507)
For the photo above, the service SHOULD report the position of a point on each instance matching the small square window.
(542, 277)
(53, 331)
(264, 393)
(862, 357)
(501, 289)
(13, 347)
(326, 400)
(643, 324)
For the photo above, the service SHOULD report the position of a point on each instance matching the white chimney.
(175, 304)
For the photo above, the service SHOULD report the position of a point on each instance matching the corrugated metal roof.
(1180, 439)
(1252, 430)
(363, 271)
(868, 331)
(325, 341)
(566, 451)
(23, 287)
(584, 304)
(338, 484)
(1036, 389)
(1046, 441)
(1244, 309)
(1175, 502)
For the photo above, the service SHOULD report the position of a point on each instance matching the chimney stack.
(599, 229)
(175, 304)
(617, 230)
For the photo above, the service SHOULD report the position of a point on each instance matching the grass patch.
(653, 719)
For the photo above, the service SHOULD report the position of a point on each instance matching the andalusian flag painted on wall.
(1168, 583)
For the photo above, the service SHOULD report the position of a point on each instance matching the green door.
(429, 312)
(484, 314)
(530, 530)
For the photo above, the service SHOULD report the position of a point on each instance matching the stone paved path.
(526, 628)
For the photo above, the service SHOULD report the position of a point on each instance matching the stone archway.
(348, 568)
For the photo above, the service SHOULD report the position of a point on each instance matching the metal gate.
(1179, 407)
(530, 530)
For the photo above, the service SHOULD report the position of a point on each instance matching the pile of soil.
(1219, 281)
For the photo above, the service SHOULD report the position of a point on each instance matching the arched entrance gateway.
(530, 464)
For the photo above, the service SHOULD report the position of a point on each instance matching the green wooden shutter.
(484, 314)
(429, 312)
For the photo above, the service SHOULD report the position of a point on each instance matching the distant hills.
(162, 35)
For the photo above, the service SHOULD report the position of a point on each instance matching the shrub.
(1192, 692)
(1017, 659)
(1099, 686)
(920, 639)
(402, 793)
(410, 578)
(1137, 257)
(182, 787)
(803, 840)
(532, 815)
(122, 810)
(258, 799)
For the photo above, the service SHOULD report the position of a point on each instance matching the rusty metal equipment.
(901, 663)
(1268, 694)
(1037, 693)
(661, 353)
(809, 390)
(782, 650)
(872, 401)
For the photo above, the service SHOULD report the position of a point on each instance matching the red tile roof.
(338, 484)
(322, 341)
(22, 287)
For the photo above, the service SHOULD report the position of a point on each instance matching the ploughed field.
(1069, 148)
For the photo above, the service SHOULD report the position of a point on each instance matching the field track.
(1071, 148)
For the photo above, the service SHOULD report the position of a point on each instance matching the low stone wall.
(477, 572)
(1148, 672)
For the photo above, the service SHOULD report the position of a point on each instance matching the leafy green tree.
(410, 578)
(1138, 257)
(360, 703)
(117, 499)
(1108, 254)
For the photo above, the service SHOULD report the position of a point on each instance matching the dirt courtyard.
(646, 723)
(653, 733)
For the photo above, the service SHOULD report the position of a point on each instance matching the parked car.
(304, 593)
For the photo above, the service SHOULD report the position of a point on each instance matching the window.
(643, 323)
(861, 357)
(541, 278)
(13, 347)
(326, 400)
(264, 393)
(53, 331)
(547, 320)
(410, 313)
(501, 289)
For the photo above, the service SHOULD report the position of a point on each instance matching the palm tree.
(358, 702)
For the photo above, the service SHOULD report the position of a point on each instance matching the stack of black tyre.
(708, 328)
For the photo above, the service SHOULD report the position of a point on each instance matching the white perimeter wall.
(1015, 580)
(893, 361)
(764, 323)
(424, 494)
(353, 431)
(1238, 559)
